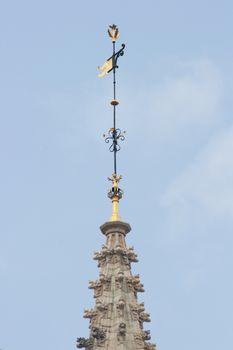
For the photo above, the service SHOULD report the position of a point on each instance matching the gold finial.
(115, 194)
(113, 32)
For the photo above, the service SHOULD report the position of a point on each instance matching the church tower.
(117, 319)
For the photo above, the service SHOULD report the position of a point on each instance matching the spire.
(117, 319)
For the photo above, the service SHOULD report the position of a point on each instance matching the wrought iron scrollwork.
(114, 135)
(118, 54)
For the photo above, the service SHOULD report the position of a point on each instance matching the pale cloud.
(207, 183)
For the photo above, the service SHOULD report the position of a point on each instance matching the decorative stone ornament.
(116, 308)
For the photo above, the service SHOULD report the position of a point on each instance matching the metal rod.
(114, 107)
(114, 134)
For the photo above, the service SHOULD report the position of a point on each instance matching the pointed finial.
(113, 32)
(115, 194)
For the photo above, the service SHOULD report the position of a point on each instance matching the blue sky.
(175, 90)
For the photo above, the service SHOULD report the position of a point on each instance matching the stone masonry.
(117, 320)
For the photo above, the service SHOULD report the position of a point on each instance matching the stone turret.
(117, 320)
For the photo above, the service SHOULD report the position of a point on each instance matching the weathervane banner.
(106, 67)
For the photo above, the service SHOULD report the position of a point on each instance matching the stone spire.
(117, 319)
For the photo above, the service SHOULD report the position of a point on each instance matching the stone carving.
(94, 284)
(134, 312)
(132, 256)
(115, 309)
(84, 343)
(102, 276)
(129, 284)
(100, 258)
(100, 306)
(109, 312)
(139, 341)
(122, 329)
(97, 255)
(144, 317)
(113, 255)
(149, 346)
(119, 246)
(134, 284)
(102, 311)
(138, 314)
(121, 332)
(141, 307)
(121, 307)
(113, 259)
(99, 334)
(139, 287)
(104, 247)
(119, 280)
(119, 250)
(97, 286)
(106, 281)
(107, 284)
(92, 314)
(125, 260)
(146, 335)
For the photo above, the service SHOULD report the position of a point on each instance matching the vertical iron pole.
(114, 108)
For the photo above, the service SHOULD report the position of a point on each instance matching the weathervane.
(114, 134)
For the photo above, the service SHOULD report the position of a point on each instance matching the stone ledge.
(115, 227)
